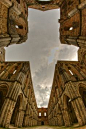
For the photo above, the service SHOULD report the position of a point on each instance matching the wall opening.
(16, 110)
(3, 93)
(69, 107)
(39, 113)
(45, 114)
(83, 94)
(42, 123)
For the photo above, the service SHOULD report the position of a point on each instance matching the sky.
(42, 49)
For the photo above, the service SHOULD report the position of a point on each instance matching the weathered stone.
(16, 102)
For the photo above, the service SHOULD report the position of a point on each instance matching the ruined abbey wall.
(17, 99)
(67, 104)
(42, 116)
(13, 22)
(73, 22)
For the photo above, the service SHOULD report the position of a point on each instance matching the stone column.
(6, 112)
(19, 118)
(66, 116)
(77, 103)
(80, 110)
(60, 121)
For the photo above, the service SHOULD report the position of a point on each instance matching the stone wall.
(67, 104)
(42, 116)
(43, 5)
(17, 100)
(73, 22)
(13, 22)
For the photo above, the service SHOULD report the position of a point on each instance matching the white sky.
(42, 49)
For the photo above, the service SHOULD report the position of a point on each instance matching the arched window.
(69, 68)
(71, 72)
(39, 113)
(19, 26)
(45, 114)
(14, 71)
(71, 28)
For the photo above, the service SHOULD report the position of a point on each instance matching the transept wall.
(13, 22)
(17, 100)
(67, 104)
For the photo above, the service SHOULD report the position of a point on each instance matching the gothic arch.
(82, 91)
(69, 112)
(15, 119)
(3, 92)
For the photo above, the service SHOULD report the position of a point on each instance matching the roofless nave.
(67, 104)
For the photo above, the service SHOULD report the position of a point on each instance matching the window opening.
(71, 28)
(71, 72)
(14, 71)
(40, 114)
(45, 114)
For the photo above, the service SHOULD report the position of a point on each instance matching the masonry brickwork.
(17, 99)
(43, 5)
(73, 22)
(67, 104)
(2, 54)
(42, 116)
(13, 22)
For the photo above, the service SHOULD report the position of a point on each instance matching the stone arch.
(69, 114)
(16, 115)
(3, 92)
(82, 91)
(77, 103)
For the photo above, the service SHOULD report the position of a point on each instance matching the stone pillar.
(60, 121)
(80, 110)
(66, 117)
(19, 118)
(6, 112)
(26, 121)
(77, 103)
